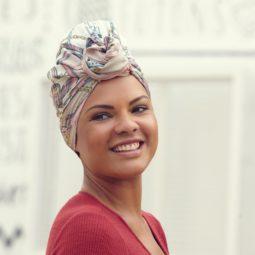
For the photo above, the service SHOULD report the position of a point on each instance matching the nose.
(126, 124)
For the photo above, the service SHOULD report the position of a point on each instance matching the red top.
(85, 226)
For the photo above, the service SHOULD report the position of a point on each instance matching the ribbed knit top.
(85, 226)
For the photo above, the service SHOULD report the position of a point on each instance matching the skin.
(114, 180)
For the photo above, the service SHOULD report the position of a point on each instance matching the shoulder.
(157, 225)
(87, 225)
(153, 220)
(89, 221)
(86, 233)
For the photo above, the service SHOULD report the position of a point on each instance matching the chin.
(128, 170)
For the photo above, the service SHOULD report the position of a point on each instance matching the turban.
(92, 51)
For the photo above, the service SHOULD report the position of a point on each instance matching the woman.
(106, 117)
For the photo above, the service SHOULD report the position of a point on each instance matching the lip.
(128, 141)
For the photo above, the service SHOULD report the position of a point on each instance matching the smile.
(127, 147)
(129, 150)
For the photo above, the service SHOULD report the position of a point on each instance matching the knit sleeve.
(162, 233)
(159, 228)
(89, 234)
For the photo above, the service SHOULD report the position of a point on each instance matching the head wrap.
(92, 51)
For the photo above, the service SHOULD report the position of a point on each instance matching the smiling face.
(125, 114)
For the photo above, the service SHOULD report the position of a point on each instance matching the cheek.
(153, 136)
(95, 139)
(150, 127)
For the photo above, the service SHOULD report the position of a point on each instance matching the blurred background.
(199, 58)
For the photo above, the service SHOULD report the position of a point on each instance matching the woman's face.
(117, 112)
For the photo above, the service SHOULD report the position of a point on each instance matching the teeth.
(127, 147)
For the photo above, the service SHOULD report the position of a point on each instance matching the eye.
(140, 108)
(100, 116)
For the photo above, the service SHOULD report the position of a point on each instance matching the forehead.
(114, 90)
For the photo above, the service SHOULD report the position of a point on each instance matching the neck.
(122, 196)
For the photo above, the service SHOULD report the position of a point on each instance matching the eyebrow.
(106, 106)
